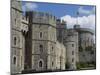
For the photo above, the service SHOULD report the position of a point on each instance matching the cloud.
(29, 6)
(81, 10)
(84, 21)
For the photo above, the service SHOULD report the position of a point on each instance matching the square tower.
(42, 44)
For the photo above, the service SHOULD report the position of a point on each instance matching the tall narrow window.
(40, 64)
(91, 41)
(72, 59)
(72, 45)
(52, 64)
(72, 52)
(15, 21)
(14, 40)
(14, 60)
(41, 48)
(52, 48)
(40, 34)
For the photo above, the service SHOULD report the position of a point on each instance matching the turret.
(76, 26)
(61, 27)
(24, 25)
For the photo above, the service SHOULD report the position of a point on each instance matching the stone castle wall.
(41, 42)
(16, 38)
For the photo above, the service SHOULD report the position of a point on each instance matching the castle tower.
(86, 41)
(28, 43)
(61, 28)
(43, 40)
(24, 31)
(71, 44)
(19, 29)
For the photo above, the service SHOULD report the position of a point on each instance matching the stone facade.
(60, 56)
(43, 41)
(71, 44)
(17, 39)
(86, 42)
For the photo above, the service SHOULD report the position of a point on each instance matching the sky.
(84, 15)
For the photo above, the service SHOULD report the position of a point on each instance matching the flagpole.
(77, 17)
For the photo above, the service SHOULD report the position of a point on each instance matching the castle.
(41, 42)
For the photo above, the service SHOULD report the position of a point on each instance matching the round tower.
(71, 44)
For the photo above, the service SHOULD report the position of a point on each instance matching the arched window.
(40, 34)
(14, 60)
(41, 48)
(14, 40)
(40, 64)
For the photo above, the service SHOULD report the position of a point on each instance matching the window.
(41, 48)
(40, 34)
(14, 40)
(52, 64)
(40, 64)
(72, 52)
(72, 59)
(72, 45)
(14, 60)
(15, 21)
(52, 48)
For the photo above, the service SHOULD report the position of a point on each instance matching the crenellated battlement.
(43, 18)
(61, 23)
(24, 25)
(24, 19)
(43, 15)
(87, 30)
